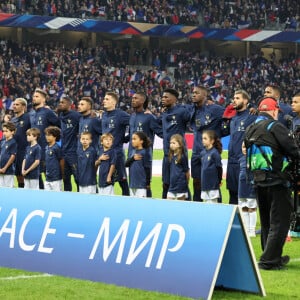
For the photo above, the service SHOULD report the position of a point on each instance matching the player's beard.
(239, 107)
(34, 104)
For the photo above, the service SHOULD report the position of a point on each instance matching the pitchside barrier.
(177, 247)
(189, 138)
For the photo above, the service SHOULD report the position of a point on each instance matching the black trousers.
(275, 209)
(70, 169)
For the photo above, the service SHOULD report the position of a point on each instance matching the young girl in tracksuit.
(139, 165)
(211, 167)
(178, 169)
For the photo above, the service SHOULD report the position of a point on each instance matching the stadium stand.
(85, 71)
(267, 15)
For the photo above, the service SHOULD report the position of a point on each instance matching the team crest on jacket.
(207, 119)
(241, 127)
(69, 123)
(111, 123)
(173, 120)
(21, 124)
(40, 121)
(198, 123)
(139, 127)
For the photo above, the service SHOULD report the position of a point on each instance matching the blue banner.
(168, 246)
(146, 29)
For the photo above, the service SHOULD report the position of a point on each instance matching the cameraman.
(273, 145)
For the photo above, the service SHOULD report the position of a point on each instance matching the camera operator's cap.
(268, 104)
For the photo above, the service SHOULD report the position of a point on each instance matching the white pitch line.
(25, 277)
(295, 259)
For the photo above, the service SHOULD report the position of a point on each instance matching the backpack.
(260, 144)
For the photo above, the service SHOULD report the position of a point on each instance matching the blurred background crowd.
(92, 71)
(83, 71)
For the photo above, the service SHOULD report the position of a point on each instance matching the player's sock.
(246, 220)
(252, 222)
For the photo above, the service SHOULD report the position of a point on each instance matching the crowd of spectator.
(266, 14)
(92, 72)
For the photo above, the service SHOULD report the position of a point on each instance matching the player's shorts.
(53, 185)
(7, 181)
(138, 192)
(90, 189)
(247, 202)
(175, 196)
(210, 196)
(108, 190)
(31, 184)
